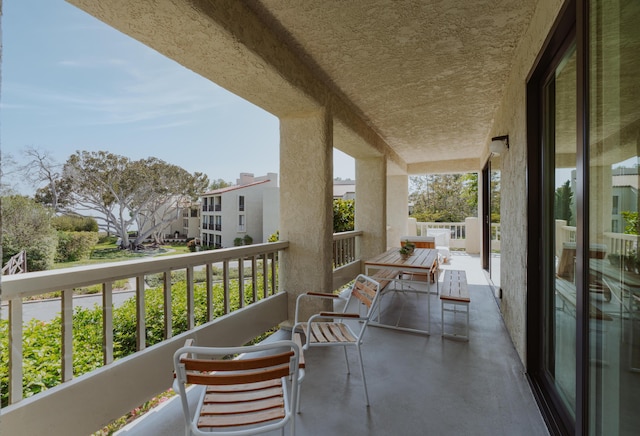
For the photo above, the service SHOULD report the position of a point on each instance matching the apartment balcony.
(417, 383)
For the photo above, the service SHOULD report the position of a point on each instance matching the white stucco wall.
(270, 212)
(511, 119)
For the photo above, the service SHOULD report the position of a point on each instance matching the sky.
(70, 82)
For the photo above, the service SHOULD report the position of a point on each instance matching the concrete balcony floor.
(418, 384)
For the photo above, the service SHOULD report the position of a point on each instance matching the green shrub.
(74, 246)
(26, 225)
(74, 223)
(42, 344)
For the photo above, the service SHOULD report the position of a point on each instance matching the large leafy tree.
(343, 215)
(119, 192)
(44, 172)
(443, 197)
(218, 184)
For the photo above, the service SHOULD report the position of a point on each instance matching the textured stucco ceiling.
(426, 75)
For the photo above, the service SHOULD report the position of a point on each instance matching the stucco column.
(306, 192)
(397, 209)
(371, 218)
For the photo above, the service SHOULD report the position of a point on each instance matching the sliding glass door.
(614, 226)
(584, 221)
(558, 228)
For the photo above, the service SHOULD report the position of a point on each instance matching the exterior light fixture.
(499, 144)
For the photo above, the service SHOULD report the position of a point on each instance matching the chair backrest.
(258, 363)
(365, 290)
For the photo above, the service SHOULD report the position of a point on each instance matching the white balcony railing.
(618, 243)
(107, 393)
(15, 288)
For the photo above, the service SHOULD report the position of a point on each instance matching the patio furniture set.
(260, 389)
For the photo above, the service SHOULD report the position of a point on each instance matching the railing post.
(141, 328)
(225, 278)
(107, 322)
(265, 275)
(67, 334)
(15, 350)
(274, 280)
(168, 316)
(241, 281)
(209, 284)
(254, 279)
(190, 299)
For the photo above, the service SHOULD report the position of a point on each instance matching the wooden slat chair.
(244, 396)
(329, 329)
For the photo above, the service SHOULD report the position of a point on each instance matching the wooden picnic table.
(391, 267)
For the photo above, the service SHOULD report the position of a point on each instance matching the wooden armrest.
(339, 315)
(297, 338)
(322, 294)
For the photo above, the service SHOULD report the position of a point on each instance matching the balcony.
(482, 380)
(417, 384)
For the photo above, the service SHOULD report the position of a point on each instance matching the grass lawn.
(108, 252)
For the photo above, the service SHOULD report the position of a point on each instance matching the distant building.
(625, 195)
(249, 208)
(185, 225)
(344, 189)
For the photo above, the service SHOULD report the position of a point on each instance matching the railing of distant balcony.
(457, 233)
(16, 288)
(617, 243)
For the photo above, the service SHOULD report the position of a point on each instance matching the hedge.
(42, 340)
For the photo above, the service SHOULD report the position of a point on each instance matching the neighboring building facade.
(186, 224)
(625, 196)
(249, 208)
(344, 189)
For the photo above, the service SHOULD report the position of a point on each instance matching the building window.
(217, 204)
(241, 203)
(241, 224)
(217, 241)
(614, 209)
(218, 223)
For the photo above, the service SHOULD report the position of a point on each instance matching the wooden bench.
(385, 276)
(454, 294)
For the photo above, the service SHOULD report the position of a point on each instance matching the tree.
(7, 167)
(218, 184)
(343, 215)
(562, 203)
(26, 225)
(443, 198)
(631, 223)
(119, 192)
(41, 169)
